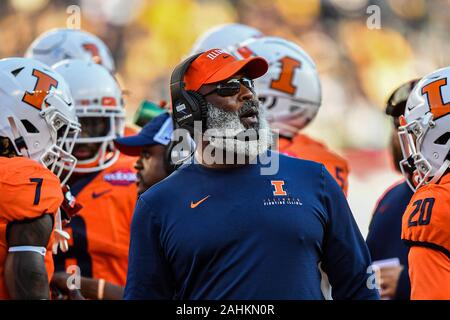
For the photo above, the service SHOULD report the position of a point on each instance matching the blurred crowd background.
(359, 66)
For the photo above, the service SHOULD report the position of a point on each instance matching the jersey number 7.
(37, 194)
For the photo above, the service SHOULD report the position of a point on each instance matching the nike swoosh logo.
(96, 195)
(195, 204)
(225, 57)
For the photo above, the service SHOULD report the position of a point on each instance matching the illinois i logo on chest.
(280, 195)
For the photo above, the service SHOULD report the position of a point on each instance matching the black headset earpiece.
(172, 160)
(201, 102)
(169, 166)
(187, 106)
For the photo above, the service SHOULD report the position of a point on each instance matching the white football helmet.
(37, 114)
(290, 91)
(224, 36)
(97, 95)
(59, 44)
(425, 130)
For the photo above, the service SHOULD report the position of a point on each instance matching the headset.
(172, 161)
(187, 108)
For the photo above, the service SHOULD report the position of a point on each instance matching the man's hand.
(60, 289)
(389, 280)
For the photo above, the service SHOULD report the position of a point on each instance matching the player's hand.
(69, 207)
(389, 280)
(76, 295)
(60, 289)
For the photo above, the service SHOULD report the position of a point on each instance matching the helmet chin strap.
(441, 171)
(18, 139)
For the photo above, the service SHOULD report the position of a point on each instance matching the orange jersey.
(304, 147)
(100, 233)
(27, 190)
(426, 227)
(130, 131)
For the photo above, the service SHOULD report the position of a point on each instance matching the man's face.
(91, 127)
(236, 113)
(233, 103)
(150, 167)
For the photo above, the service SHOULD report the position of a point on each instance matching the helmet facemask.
(106, 154)
(287, 114)
(58, 158)
(415, 165)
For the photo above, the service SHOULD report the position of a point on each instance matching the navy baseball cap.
(157, 131)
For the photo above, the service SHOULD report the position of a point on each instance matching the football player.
(63, 43)
(103, 182)
(290, 92)
(425, 142)
(383, 240)
(37, 119)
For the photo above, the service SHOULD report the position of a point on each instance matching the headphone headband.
(177, 78)
(186, 105)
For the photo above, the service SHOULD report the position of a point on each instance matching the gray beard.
(226, 132)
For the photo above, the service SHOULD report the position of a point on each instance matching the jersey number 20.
(425, 207)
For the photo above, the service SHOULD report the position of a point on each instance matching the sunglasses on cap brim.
(232, 87)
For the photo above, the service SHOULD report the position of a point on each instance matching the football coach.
(217, 228)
